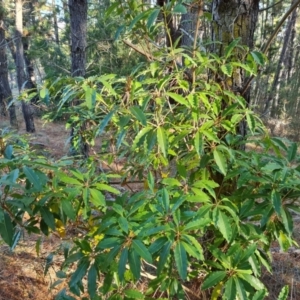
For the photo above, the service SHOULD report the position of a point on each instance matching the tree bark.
(233, 19)
(5, 91)
(20, 66)
(78, 22)
(78, 26)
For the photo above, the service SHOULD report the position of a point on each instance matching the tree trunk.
(55, 22)
(78, 21)
(274, 91)
(5, 91)
(20, 66)
(78, 26)
(233, 19)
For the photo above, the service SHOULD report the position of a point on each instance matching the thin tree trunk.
(55, 22)
(20, 66)
(273, 94)
(5, 91)
(78, 25)
(78, 22)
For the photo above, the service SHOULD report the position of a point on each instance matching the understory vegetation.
(203, 222)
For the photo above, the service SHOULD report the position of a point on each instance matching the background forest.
(173, 186)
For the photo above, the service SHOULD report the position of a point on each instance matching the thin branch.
(271, 38)
(266, 8)
(149, 56)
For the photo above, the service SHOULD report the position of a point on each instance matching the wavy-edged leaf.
(284, 293)
(260, 295)
(68, 209)
(220, 161)
(138, 138)
(108, 188)
(276, 201)
(157, 244)
(181, 260)
(32, 177)
(230, 289)
(141, 249)
(258, 57)
(212, 279)
(231, 46)
(255, 282)
(134, 263)
(152, 17)
(227, 69)
(122, 263)
(162, 141)
(134, 294)
(223, 224)
(97, 198)
(165, 252)
(292, 151)
(105, 121)
(138, 113)
(241, 292)
(80, 272)
(193, 241)
(92, 281)
(178, 98)
(48, 217)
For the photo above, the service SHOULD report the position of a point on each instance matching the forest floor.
(22, 271)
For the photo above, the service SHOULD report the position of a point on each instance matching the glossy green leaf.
(227, 69)
(108, 188)
(212, 279)
(138, 113)
(181, 260)
(258, 57)
(157, 244)
(241, 292)
(48, 217)
(32, 177)
(92, 281)
(284, 293)
(105, 121)
(276, 201)
(122, 263)
(292, 152)
(260, 295)
(97, 198)
(141, 249)
(134, 294)
(178, 98)
(152, 17)
(179, 9)
(231, 46)
(164, 254)
(134, 263)
(230, 289)
(80, 272)
(90, 97)
(139, 137)
(220, 161)
(68, 209)
(162, 141)
(255, 282)
(7, 229)
(224, 225)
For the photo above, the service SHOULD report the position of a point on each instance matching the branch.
(263, 9)
(149, 56)
(271, 38)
